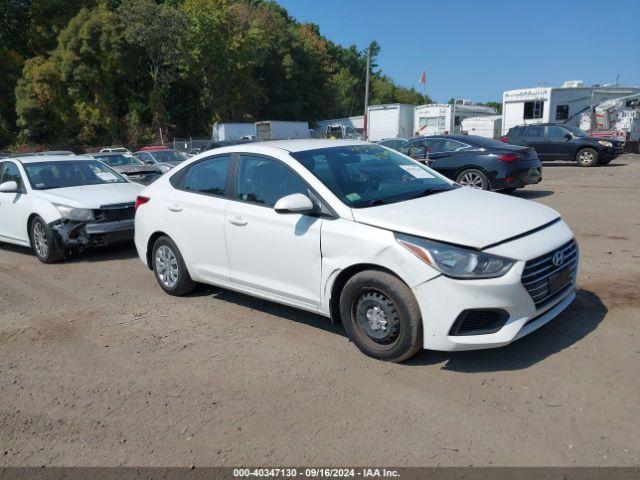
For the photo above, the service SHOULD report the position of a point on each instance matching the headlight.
(455, 262)
(604, 143)
(77, 214)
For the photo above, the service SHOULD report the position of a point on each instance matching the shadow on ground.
(529, 194)
(581, 318)
(577, 321)
(561, 163)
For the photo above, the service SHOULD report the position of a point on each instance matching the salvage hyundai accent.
(402, 256)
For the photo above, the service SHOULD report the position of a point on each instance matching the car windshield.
(168, 156)
(575, 130)
(118, 159)
(49, 175)
(368, 175)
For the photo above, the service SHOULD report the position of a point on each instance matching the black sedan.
(477, 161)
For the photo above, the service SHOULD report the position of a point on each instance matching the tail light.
(141, 201)
(504, 139)
(508, 157)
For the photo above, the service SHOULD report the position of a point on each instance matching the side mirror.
(568, 136)
(295, 203)
(9, 187)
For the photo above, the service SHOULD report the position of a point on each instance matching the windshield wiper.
(428, 191)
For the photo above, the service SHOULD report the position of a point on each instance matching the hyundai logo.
(558, 258)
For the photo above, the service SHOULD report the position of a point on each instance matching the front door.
(14, 211)
(534, 136)
(559, 143)
(277, 254)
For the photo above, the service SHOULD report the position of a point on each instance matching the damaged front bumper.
(79, 235)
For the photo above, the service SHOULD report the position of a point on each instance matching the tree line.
(77, 73)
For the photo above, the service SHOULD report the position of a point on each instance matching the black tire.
(587, 157)
(381, 316)
(473, 177)
(169, 268)
(44, 243)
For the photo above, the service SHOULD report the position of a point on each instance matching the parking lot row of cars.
(403, 256)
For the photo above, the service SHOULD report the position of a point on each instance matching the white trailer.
(489, 126)
(389, 121)
(349, 127)
(445, 118)
(281, 130)
(563, 104)
(231, 131)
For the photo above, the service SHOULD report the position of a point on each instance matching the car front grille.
(539, 272)
(118, 211)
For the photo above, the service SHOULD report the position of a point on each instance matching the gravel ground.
(99, 367)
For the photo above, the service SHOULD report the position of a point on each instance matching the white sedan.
(58, 203)
(403, 257)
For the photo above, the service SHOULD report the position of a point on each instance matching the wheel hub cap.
(166, 266)
(471, 180)
(377, 319)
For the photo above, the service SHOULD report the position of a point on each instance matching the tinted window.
(118, 159)
(556, 132)
(534, 132)
(145, 157)
(208, 176)
(265, 181)
(446, 145)
(405, 148)
(562, 112)
(11, 174)
(368, 175)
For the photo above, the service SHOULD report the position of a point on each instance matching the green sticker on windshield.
(352, 197)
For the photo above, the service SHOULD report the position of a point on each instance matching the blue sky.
(478, 49)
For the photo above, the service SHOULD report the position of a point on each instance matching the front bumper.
(443, 300)
(98, 234)
(612, 152)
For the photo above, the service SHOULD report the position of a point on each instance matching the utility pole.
(366, 96)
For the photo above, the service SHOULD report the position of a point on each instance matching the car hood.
(135, 169)
(92, 196)
(463, 216)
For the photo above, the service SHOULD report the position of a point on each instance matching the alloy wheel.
(585, 157)
(166, 265)
(471, 179)
(40, 240)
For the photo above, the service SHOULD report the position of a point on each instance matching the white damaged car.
(59, 203)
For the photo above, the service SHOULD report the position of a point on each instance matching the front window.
(11, 174)
(265, 181)
(576, 131)
(556, 132)
(368, 175)
(49, 175)
(118, 160)
(169, 156)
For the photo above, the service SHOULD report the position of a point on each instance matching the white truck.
(489, 126)
(281, 130)
(390, 121)
(231, 131)
(349, 127)
(445, 118)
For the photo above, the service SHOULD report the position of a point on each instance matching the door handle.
(238, 221)
(175, 207)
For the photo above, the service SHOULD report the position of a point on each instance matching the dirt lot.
(99, 367)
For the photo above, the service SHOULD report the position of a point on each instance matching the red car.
(153, 148)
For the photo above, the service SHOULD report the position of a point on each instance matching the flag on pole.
(423, 78)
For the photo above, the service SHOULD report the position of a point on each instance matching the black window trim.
(177, 180)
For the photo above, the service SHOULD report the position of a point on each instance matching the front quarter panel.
(346, 244)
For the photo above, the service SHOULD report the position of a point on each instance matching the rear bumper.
(99, 234)
(519, 178)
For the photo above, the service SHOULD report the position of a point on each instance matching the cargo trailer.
(446, 118)
(489, 126)
(232, 131)
(281, 130)
(390, 121)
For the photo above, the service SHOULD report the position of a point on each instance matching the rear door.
(534, 136)
(195, 217)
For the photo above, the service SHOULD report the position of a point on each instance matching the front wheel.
(169, 268)
(43, 242)
(381, 316)
(473, 178)
(587, 157)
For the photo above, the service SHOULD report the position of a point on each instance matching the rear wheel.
(169, 268)
(473, 178)
(381, 316)
(43, 242)
(587, 157)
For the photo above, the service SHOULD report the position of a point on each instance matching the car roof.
(301, 145)
(108, 154)
(49, 158)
